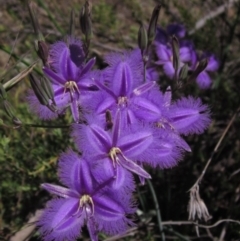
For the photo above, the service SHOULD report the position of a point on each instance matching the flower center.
(163, 123)
(122, 100)
(113, 155)
(72, 87)
(87, 202)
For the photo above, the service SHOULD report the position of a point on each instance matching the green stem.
(52, 18)
(157, 210)
(43, 126)
(8, 51)
(177, 234)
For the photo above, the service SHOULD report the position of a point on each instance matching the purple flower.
(122, 150)
(176, 29)
(82, 202)
(70, 77)
(122, 88)
(165, 57)
(113, 153)
(152, 74)
(184, 116)
(203, 79)
(163, 36)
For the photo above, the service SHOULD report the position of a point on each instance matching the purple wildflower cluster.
(187, 54)
(123, 124)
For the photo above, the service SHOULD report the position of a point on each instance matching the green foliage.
(28, 156)
(104, 18)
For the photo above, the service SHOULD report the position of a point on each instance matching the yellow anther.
(85, 199)
(122, 100)
(162, 124)
(71, 86)
(113, 155)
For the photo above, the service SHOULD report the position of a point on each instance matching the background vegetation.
(28, 156)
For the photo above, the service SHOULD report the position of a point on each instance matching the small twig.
(234, 173)
(217, 146)
(223, 233)
(157, 210)
(201, 22)
(6, 50)
(28, 229)
(199, 225)
(107, 47)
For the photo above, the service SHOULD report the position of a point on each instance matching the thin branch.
(200, 225)
(217, 146)
(6, 50)
(201, 22)
(177, 234)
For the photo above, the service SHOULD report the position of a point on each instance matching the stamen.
(162, 124)
(86, 201)
(113, 155)
(122, 100)
(72, 87)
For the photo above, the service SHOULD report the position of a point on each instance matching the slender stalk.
(217, 146)
(43, 126)
(35, 126)
(8, 51)
(157, 210)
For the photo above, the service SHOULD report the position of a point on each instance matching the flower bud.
(38, 90)
(175, 50)
(142, 39)
(183, 72)
(201, 66)
(85, 20)
(35, 21)
(153, 24)
(43, 51)
(72, 23)
(109, 122)
(47, 87)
